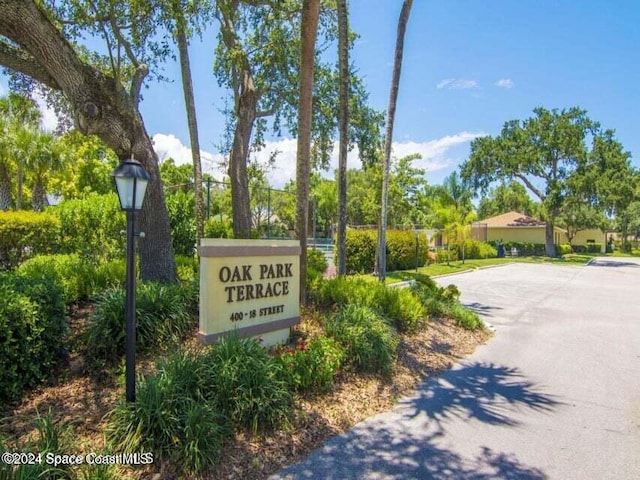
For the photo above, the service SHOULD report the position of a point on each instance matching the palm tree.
(343, 114)
(7, 165)
(187, 88)
(310, 14)
(20, 116)
(45, 156)
(454, 210)
(391, 113)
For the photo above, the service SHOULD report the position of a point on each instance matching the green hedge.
(79, 278)
(474, 249)
(92, 227)
(525, 249)
(26, 234)
(401, 250)
(32, 329)
(588, 248)
(216, 228)
(361, 251)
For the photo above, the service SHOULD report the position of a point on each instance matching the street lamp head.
(131, 183)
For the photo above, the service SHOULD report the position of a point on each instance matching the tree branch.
(271, 111)
(20, 61)
(123, 41)
(530, 186)
(136, 83)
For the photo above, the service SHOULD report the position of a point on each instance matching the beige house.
(516, 227)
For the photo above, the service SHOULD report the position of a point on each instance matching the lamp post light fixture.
(131, 181)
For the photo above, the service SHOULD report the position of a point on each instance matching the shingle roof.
(512, 219)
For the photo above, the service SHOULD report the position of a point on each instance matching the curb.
(471, 270)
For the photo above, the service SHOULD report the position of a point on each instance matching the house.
(517, 227)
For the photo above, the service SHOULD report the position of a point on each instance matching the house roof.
(511, 219)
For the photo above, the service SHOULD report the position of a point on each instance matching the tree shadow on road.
(483, 391)
(409, 442)
(481, 309)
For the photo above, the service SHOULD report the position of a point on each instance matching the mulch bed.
(82, 402)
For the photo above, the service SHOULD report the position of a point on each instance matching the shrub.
(563, 249)
(445, 255)
(474, 249)
(188, 268)
(181, 208)
(109, 274)
(26, 234)
(246, 384)
(168, 422)
(74, 275)
(217, 228)
(401, 250)
(588, 248)
(50, 438)
(525, 249)
(404, 309)
(370, 343)
(32, 330)
(398, 304)
(443, 302)
(80, 279)
(311, 366)
(92, 227)
(316, 260)
(163, 316)
(361, 251)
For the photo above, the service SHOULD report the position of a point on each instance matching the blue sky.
(469, 66)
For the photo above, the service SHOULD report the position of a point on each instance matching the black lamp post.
(131, 183)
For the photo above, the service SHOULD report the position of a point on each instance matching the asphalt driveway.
(555, 394)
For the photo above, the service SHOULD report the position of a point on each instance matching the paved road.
(555, 394)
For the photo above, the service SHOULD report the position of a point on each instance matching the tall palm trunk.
(310, 14)
(38, 196)
(5, 188)
(343, 59)
(391, 112)
(190, 105)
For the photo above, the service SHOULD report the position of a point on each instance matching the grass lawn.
(458, 266)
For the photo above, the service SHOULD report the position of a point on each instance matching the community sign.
(251, 287)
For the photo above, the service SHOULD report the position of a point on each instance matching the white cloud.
(437, 155)
(170, 146)
(457, 84)
(505, 83)
(48, 120)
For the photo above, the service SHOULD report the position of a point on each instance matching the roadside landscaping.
(235, 410)
(458, 266)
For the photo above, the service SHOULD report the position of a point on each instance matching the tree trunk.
(343, 58)
(550, 248)
(101, 106)
(38, 197)
(5, 189)
(309, 28)
(190, 105)
(391, 112)
(245, 118)
(19, 186)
